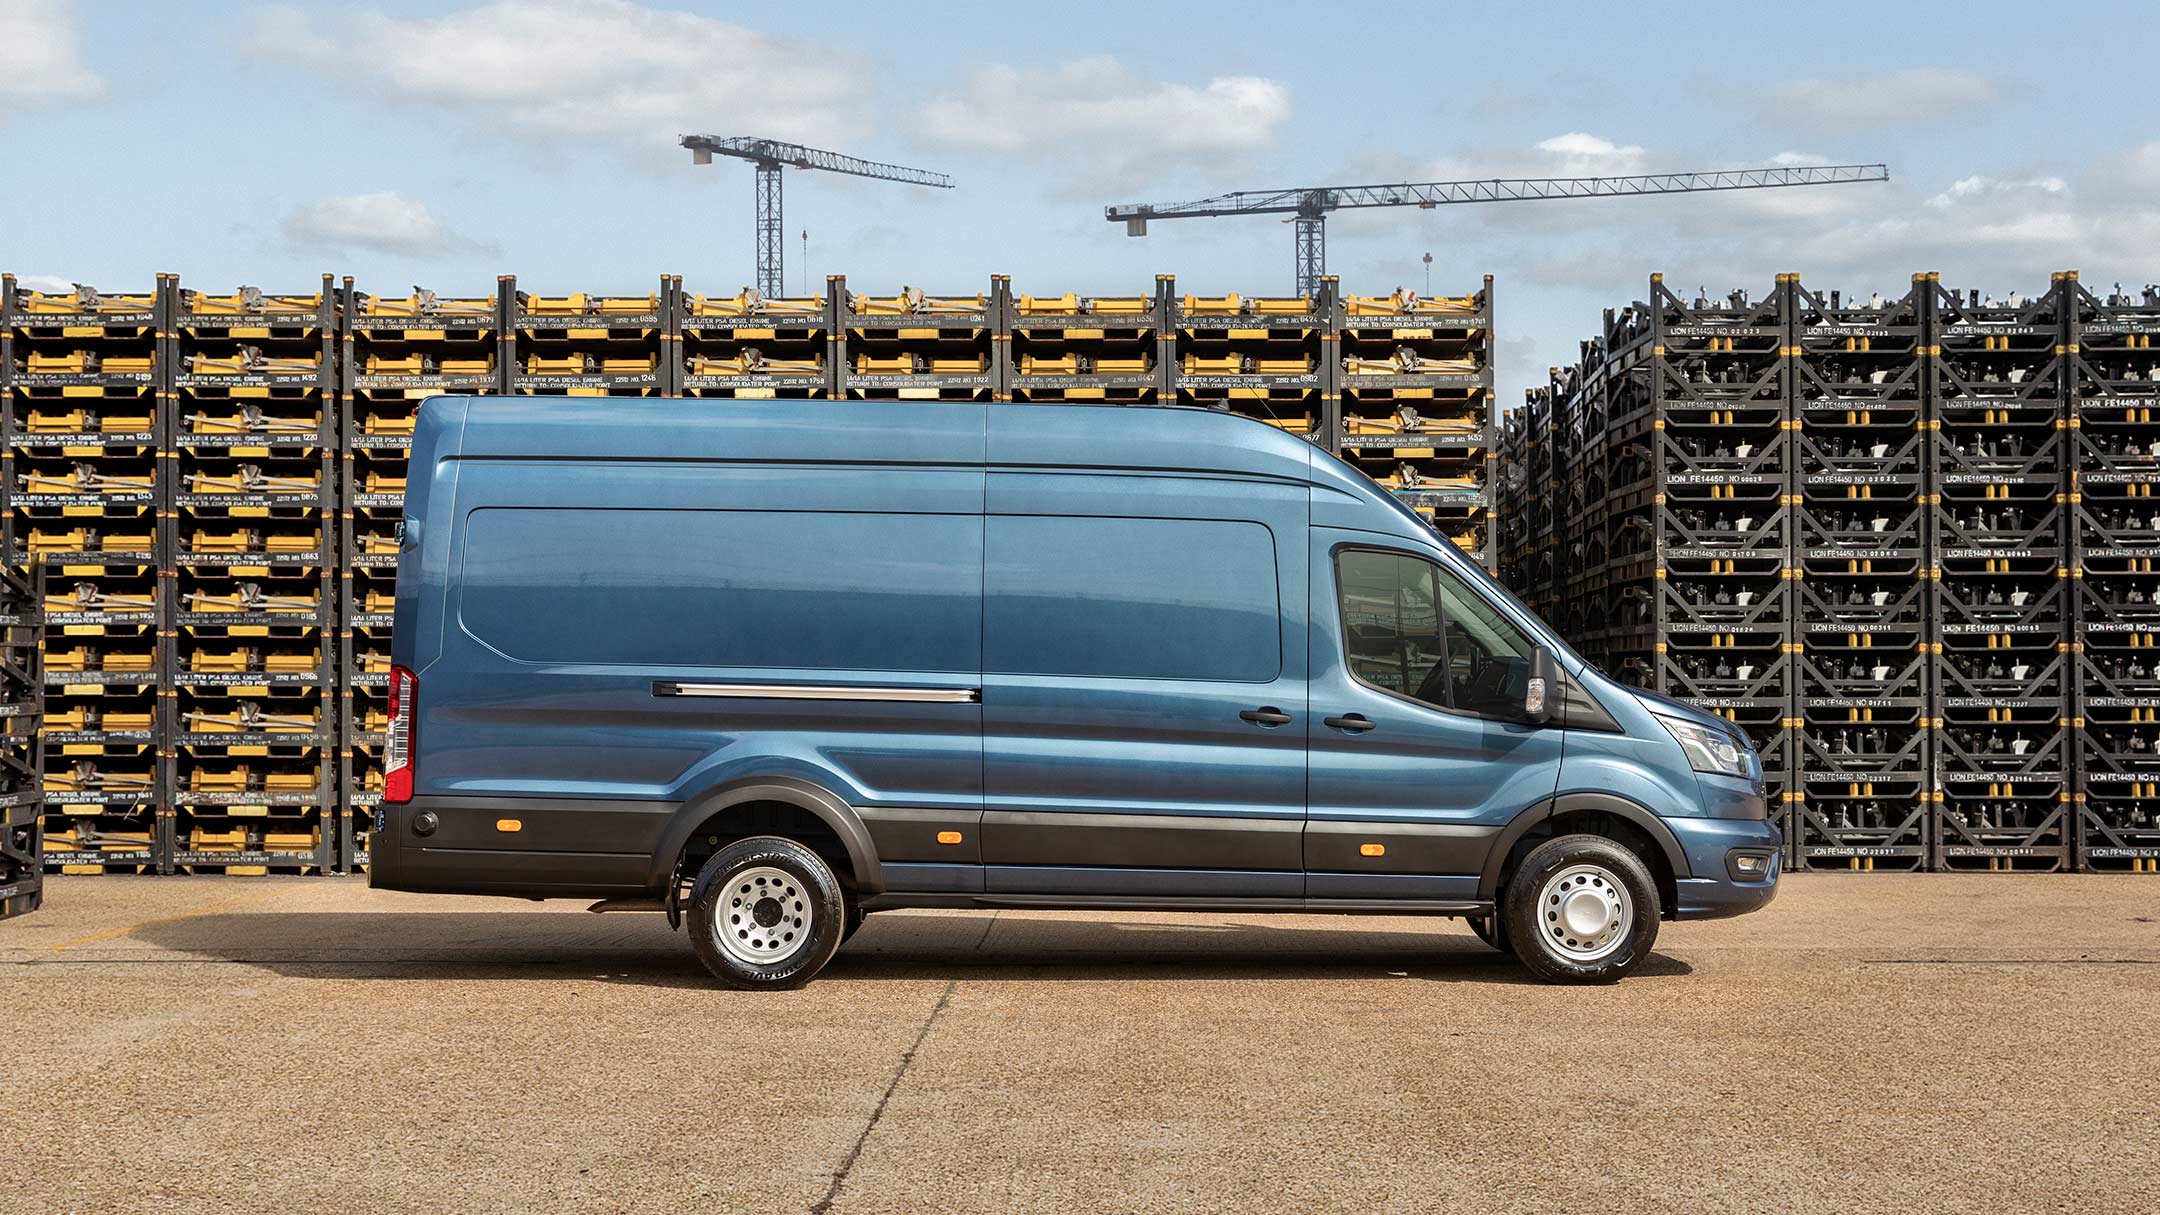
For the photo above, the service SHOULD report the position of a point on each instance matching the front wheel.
(766, 913)
(1581, 909)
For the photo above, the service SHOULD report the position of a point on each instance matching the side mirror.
(1542, 688)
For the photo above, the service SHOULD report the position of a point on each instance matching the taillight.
(398, 749)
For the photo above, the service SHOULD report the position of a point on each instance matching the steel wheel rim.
(1584, 913)
(763, 915)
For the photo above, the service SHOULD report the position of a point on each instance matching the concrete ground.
(1920, 1043)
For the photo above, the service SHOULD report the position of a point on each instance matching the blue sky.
(443, 144)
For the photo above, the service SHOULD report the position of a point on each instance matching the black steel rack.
(2000, 450)
(1861, 628)
(2113, 385)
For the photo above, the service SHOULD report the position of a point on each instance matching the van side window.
(1131, 598)
(1412, 628)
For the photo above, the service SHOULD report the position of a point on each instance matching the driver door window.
(1416, 630)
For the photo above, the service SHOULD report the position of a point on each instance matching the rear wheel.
(1581, 909)
(766, 913)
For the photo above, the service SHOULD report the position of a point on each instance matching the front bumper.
(1709, 844)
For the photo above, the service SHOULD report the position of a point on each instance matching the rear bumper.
(559, 849)
(1710, 843)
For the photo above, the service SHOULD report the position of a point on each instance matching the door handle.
(1355, 723)
(1266, 715)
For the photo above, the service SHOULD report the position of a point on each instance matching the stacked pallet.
(87, 377)
(586, 345)
(2113, 388)
(1415, 393)
(1081, 349)
(2000, 457)
(913, 345)
(254, 435)
(1862, 623)
(22, 870)
(1267, 357)
(1971, 585)
(745, 345)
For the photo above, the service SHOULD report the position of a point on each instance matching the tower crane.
(770, 156)
(1308, 206)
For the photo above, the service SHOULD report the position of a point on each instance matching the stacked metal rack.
(1680, 455)
(584, 345)
(1273, 358)
(87, 376)
(22, 870)
(913, 345)
(250, 689)
(745, 345)
(2113, 389)
(397, 351)
(1999, 531)
(1862, 618)
(1077, 349)
(1972, 601)
(1415, 402)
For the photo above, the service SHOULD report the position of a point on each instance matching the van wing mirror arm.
(1542, 688)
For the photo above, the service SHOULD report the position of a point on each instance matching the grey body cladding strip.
(817, 691)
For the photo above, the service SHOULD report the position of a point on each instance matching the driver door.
(1412, 748)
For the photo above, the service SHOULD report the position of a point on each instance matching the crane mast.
(770, 156)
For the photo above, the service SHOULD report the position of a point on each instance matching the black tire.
(1482, 926)
(1605, 873)
(788, 917)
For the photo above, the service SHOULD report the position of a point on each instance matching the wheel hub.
(764, 915)
(1584, 913)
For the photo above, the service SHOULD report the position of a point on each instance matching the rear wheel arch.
(1605, 814)
(856, 861)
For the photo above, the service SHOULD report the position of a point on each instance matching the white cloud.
(1851, 104)
(382, 222)
(41, 54)
(599, 70)
(1578, 154)
(1096, 116)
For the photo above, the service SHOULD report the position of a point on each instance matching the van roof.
(1149, 437)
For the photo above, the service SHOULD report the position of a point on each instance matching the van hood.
(1666, 705)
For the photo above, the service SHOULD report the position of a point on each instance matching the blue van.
(770, 666)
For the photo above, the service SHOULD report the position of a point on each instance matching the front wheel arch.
(1556, 812)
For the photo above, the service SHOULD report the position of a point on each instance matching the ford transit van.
(770, 666)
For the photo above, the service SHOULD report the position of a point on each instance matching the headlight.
(1708, 749)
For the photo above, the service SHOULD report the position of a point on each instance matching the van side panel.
(574, 606)
(1129, 620)
(587, 606)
